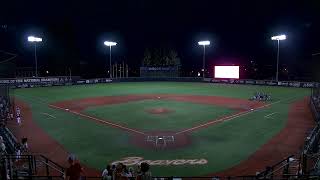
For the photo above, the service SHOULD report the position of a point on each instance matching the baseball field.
(181, 129)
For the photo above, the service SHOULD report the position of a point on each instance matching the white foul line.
(227, 118)
(99, 120)
(268, 116)
(48, 115)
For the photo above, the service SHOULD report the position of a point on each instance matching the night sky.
(73, 33)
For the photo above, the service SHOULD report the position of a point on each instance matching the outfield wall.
(64, 81)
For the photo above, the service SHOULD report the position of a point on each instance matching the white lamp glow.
(279, 37)
(110, 43)
(204, 43)
(34, 39)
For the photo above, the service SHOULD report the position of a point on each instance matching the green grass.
(135, 115)
(223, 145)
(58, 93)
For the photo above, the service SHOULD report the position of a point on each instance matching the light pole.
(278, 38)
(204, 44)
(110, 44)
(35, 40)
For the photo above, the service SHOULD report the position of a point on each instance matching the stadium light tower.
(35, 40)
(204, 44)
(278, 38)
(110, 44)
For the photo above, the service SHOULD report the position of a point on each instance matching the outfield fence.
(76, 80)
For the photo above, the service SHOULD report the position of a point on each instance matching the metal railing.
(275, 169)
(31, 166)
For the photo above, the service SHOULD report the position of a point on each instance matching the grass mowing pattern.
(223, 145)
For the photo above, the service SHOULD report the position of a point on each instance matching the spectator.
(145, 173)
(18, 151)
(126, 172)
(130, 174)
(18, 111)
(2, 146)
(11, 116)
(137, 170)
(19, 120)
(107, 173)
(25, 146)
(113, 167)
(118, 173)
(110, 171)
(74, 171)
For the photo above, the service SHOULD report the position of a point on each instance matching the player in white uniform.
(19, 120)
(18, 153)
(18, 111)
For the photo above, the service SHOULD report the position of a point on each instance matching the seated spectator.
(145, 173)
(74, 171)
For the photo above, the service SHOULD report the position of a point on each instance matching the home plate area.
(159, 140)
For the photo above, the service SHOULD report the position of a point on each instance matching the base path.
(77, 107)
(139, 137)
(288, 142)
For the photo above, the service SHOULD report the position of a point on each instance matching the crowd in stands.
(111, 172)
(316, 101)
(7, 114)
(4, 110)
(121, 171)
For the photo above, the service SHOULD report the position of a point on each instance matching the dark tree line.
(160, 57)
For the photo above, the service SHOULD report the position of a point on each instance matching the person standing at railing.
(118, 173)
(145, 173)
(25, 147)
(74, 171)
(18, 151)
(107, 173)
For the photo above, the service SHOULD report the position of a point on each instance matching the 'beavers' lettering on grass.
(130, 161)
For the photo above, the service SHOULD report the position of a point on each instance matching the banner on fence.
(267, 82)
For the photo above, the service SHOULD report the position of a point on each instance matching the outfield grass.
(223, 145)
(135, 114)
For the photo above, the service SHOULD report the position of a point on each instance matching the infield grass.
(135, 114)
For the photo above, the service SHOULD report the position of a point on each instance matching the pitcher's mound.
(159, 111)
